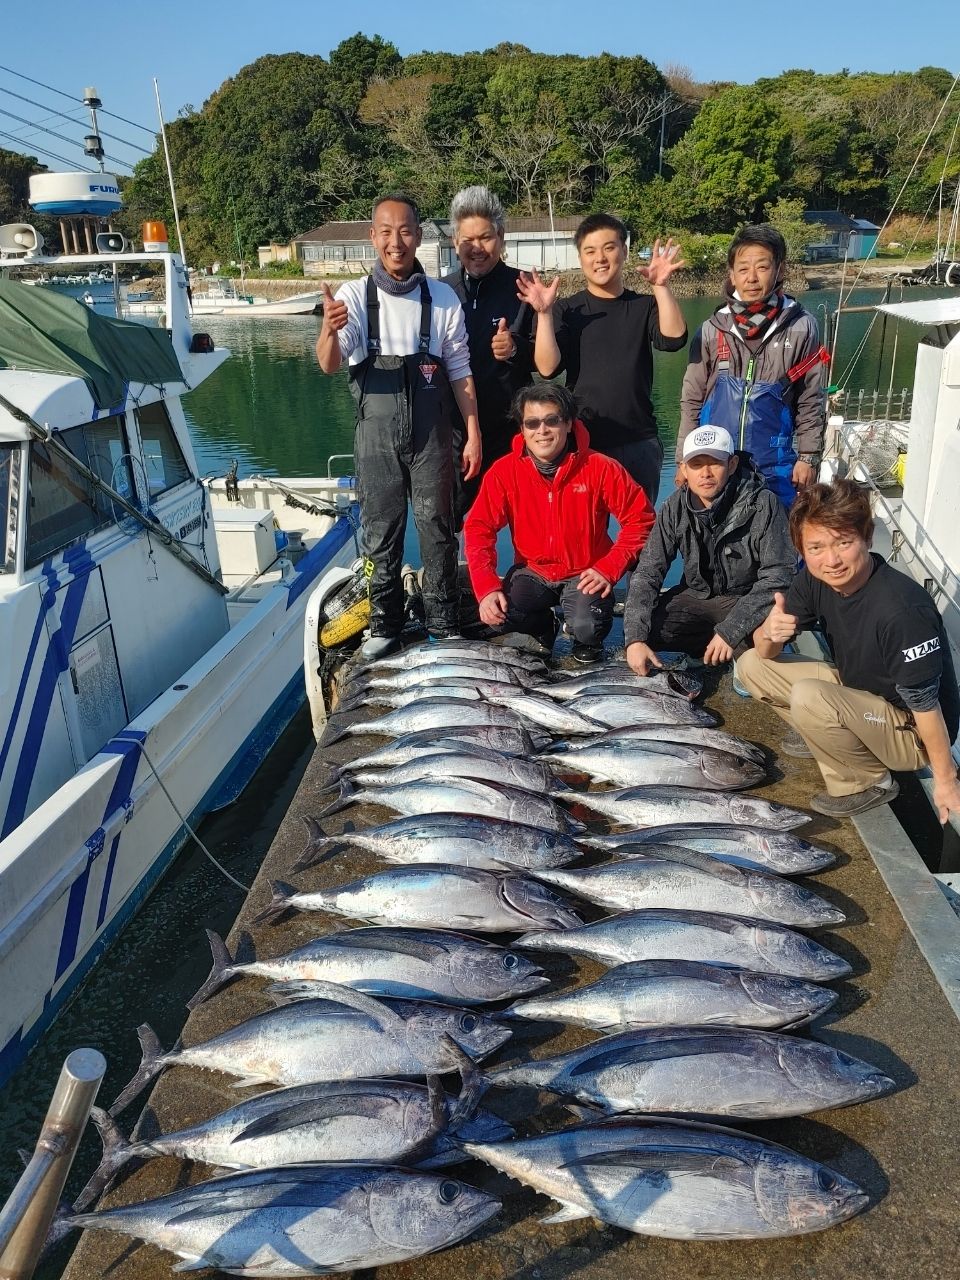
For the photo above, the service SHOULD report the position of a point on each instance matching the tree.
(731, 161)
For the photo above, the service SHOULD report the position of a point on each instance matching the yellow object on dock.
(346, 624)
(900, 469)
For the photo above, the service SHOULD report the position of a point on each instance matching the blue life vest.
(758, 417)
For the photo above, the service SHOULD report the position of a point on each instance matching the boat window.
(65, 506)
(165, 464)
(8, 507)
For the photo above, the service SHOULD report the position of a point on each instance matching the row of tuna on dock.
(490, 758)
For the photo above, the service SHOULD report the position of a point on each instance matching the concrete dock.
(903, 1149)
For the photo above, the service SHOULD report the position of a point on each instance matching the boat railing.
(867, 406)
(26, 1217)
(340, 457)
(907, 533)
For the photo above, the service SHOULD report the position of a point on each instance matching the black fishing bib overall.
(403, 448)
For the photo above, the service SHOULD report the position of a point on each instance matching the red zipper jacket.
(558, 527)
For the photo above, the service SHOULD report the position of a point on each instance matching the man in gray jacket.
(733, 536)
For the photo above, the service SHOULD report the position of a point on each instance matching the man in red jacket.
(556, 495)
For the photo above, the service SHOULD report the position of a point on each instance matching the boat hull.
(79, 867)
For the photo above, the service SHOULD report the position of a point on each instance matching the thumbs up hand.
(780, 626)
(502, 344)
(335, 314)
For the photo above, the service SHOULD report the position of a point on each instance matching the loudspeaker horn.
(19, 240)
(112, 242)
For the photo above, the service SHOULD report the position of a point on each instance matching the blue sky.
(192, 48)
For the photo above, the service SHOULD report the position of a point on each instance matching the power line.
(62, 136)
(72, 119)
(43, 152)
(73, 98)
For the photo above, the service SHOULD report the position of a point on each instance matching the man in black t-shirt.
(603, 338)
(891, 700)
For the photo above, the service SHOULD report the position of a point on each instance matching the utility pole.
(663, 130)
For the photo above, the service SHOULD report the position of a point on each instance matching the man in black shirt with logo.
(603, 337)
(891, 701)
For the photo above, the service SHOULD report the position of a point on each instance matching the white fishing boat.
(222, 298)
(151, 623)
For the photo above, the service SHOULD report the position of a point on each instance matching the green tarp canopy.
(47, 332)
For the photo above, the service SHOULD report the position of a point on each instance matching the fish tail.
(317, 845)
(152, 1062)
(337, 735)
(279, 903)
(220, 974)
(117, 1151)
(345, 799)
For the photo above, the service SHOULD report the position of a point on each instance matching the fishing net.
(879, 448)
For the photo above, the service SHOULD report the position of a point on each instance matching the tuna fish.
(509, 742)
(339, 1035)
(434, 897)
(634, 764)
(674, 684)
(681, 993)
(616, 710)
(489, 844)
(355, 1121)
(468, 669)
(303, 1220)
(678, 879)
(475, 763)
(656, 806)
(418, 964)
(462, 690)
(454, 650)
(462, 795)
(433, 714)
(682, 1181)
(754, 848)
(715, 1071)
(537, 711)
(692, 735)
(695, 935)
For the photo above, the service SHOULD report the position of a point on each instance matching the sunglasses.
(551, 420)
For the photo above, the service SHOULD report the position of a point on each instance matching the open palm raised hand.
(664, 261)
(535, 293)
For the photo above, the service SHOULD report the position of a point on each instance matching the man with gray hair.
(499, 325)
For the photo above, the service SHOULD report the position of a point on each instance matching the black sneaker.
(586, 653)
(859, 802)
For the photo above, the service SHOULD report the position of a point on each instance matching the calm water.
(270, 408)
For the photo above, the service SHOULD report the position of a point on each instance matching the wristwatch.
(811, 459)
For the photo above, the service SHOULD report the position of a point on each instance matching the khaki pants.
(855, 737)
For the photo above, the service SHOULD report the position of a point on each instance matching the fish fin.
(116, 1152)
(378, 1012)
(567, 1213)
(279, 902)
(219, 975)
(191, 1264)
(472, 1084)
(248, 1082)
(580, 1111)
(665, 1159)
(152, 1062)
(318, 842)
(346, 798)
(302, 1113)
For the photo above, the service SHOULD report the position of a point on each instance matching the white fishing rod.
(173, 193)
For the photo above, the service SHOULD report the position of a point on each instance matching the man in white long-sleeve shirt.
(405, 341)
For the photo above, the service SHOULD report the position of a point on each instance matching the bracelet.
(811, 459)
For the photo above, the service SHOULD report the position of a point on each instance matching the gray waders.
(403, 447)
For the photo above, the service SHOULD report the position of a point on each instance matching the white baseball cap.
(715, 442)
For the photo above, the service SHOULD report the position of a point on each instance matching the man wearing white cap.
(733, 536)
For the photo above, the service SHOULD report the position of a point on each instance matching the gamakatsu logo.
(921, 650)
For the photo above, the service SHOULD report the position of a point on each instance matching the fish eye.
(826, 1180)
(449, 1191)
(510, 961)
(469, 1022)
